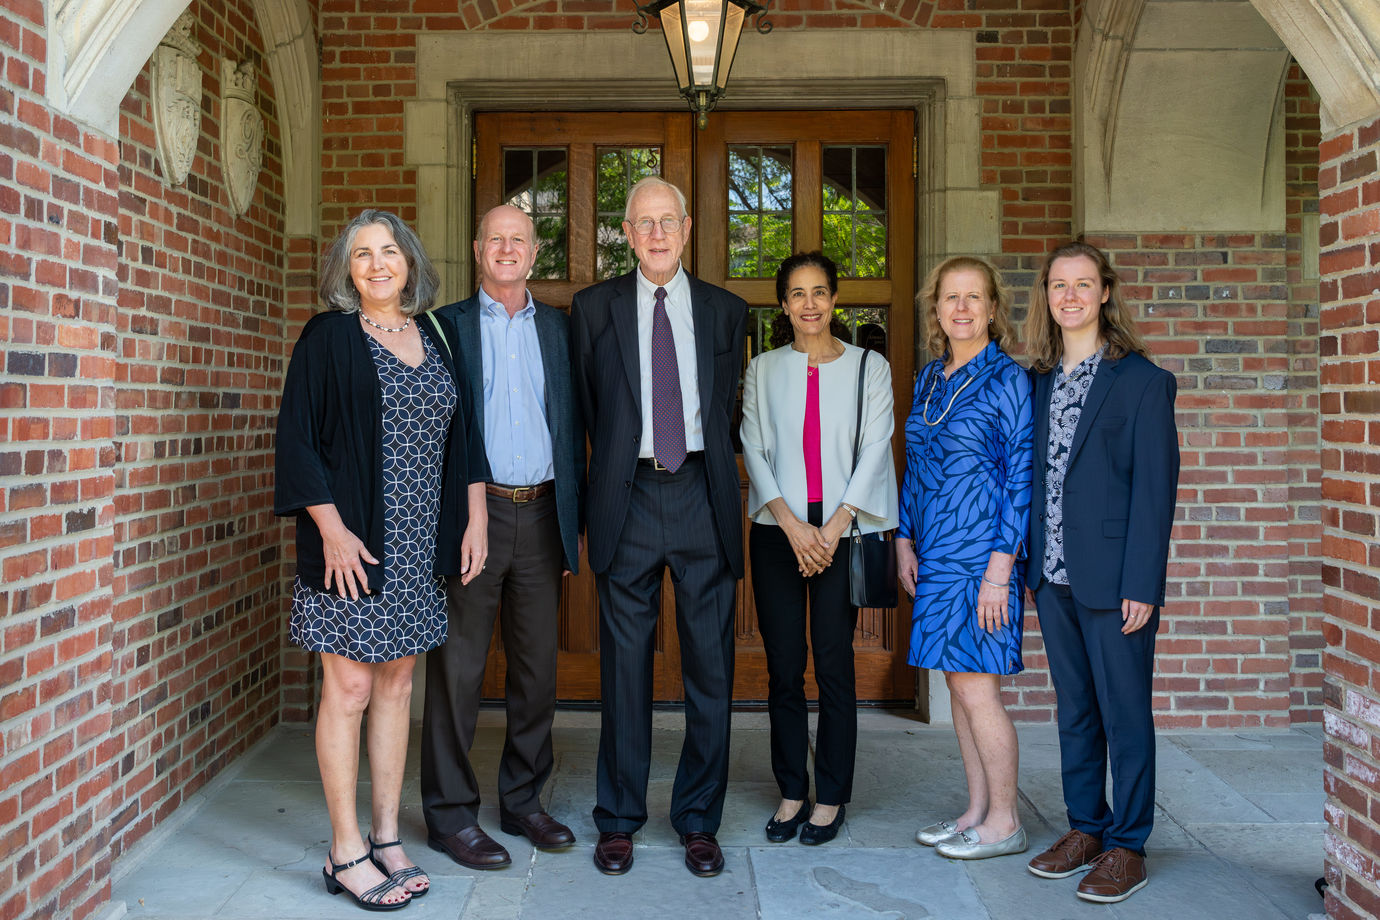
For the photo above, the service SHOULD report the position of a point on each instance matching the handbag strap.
(440, 334)
(857, 428)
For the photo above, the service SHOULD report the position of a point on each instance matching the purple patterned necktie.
(668, 415)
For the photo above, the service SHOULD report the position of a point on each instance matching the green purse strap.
(440, 333)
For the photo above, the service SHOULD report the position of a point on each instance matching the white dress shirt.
(682, 318)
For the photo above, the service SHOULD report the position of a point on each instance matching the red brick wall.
(58, 255)
(197, 624)
(1349, 183)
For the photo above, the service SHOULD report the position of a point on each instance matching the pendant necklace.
(925, 410)
(403, 328)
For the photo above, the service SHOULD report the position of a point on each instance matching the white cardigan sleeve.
(762, 484)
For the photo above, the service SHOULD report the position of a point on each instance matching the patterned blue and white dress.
(966, 493)
(409, 616)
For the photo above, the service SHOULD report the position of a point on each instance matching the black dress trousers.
(780, 592)
(669, 526)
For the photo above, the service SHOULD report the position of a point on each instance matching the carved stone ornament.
(177, 100)
(241, 133)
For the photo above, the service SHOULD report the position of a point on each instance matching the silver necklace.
(403, 328)
(925, 410)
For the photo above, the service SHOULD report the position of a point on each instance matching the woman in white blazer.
(804, 491)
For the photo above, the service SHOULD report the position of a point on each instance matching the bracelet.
(994, 584)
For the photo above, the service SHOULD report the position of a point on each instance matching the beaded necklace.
(403, 328)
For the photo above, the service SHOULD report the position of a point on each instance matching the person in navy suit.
(1106, 474)
(516, 358)
(656, 356)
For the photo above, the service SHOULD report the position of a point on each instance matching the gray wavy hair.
(338, 290)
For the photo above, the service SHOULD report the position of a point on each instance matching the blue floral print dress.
(966, 493)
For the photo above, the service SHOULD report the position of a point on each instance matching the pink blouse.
(814, 469)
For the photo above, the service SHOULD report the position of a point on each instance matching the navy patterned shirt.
(1065, 409)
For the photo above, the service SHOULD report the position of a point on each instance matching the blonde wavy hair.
(1000, 331)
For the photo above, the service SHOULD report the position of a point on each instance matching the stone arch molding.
(1179, 116)
(1180, 120)
(1337, 43)
(96, 48)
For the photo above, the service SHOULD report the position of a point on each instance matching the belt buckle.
(657, 465)
(525, 497)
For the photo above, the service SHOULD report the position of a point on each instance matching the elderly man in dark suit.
(656, 357)
(516, 359)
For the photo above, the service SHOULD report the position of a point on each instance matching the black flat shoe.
(814, 834)
(781, 831)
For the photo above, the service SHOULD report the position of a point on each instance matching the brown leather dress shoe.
(1070, 854)
(545, 832)
(1116, 875)
(472, 848)
(702, 854)
(613, 854)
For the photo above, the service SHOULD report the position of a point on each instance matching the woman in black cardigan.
(379, 460)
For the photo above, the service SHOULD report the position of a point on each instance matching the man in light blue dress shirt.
(515, 358)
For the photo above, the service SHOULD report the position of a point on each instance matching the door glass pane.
(535, 179)
(769, 327)
(854, 219)
(759, 210)
(619, 168)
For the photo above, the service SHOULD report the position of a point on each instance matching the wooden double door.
(760, 186)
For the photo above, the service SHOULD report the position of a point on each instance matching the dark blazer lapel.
(549, 343)
(472, 350)
(1044, 386)
(623, 315)
(702, 310)
(1097, 394)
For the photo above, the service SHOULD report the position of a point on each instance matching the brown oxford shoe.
(702, 854)
(613, 854)
(1069, 855)
(472, 848)
(1116, 874)
(545, 832)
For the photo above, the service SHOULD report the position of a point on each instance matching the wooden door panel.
(697, 161)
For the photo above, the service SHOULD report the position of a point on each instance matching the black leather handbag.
(871, 556)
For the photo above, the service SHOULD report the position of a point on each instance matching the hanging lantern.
(702, 37)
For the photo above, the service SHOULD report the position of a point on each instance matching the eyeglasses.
(669, 225)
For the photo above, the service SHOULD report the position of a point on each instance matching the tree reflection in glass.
(759, 210)
(618, 169)
(535, 179)
(854, 219)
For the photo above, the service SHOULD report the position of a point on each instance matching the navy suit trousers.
(669, 527)
(1102, 680)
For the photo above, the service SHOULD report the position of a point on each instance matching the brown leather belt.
(521, 494)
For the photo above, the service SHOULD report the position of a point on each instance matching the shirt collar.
(1086, 366)
(494, 308)
(673, 287)
(982, 359)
